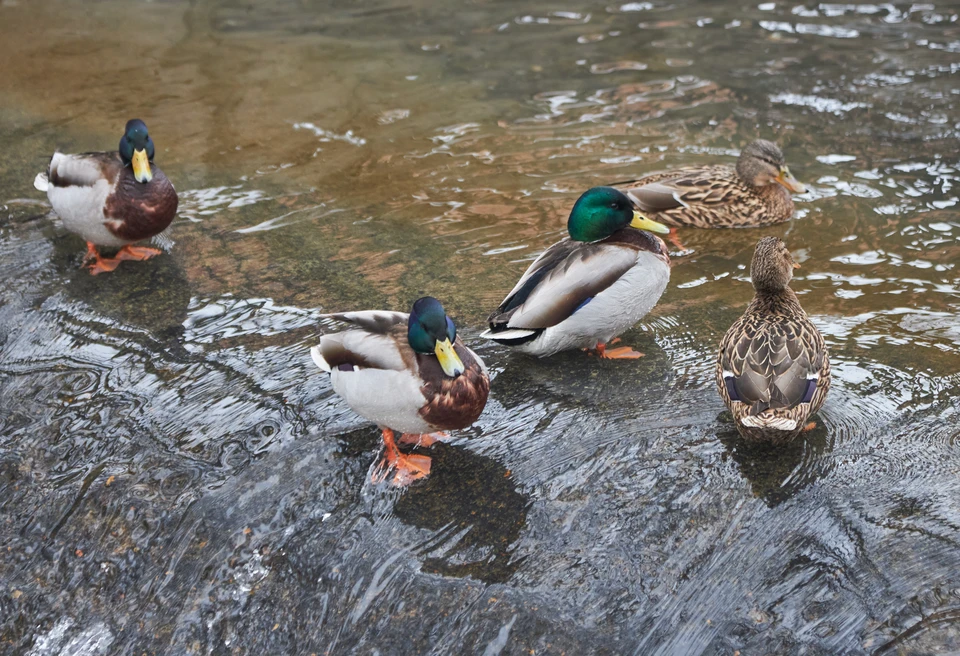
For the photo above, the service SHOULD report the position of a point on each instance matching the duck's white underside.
(81, 207)
(611, 312)
(391, 399)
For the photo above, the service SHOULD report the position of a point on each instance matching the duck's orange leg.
(619, 353)
(423, 439)
(407, 468)
(809, 427)
(137, 253)
(674, 239)
(98, 264)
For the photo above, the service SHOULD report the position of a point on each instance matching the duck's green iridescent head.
(601, 211)
(136, 149)
(431, 331)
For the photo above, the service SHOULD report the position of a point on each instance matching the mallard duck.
(584, 291)
(112, 199)
(755, 193)
(407, 373)
(773, 371)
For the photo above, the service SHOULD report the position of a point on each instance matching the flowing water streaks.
(195, 470)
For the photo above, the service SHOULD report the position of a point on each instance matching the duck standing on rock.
(773, 371)
(406, 372)
(585, 290)
(755, 193)
(112, 199)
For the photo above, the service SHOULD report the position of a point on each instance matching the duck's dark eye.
(614, 205)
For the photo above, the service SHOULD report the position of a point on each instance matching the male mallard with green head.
(755, 193)
(112, 199)
(773, 371)
(585, 290)
(405, 372)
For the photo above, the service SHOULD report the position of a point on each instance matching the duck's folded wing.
(374, 321)
(694, 188)
(773, 364)
(375, 344)
(566, 277)
(83, 170)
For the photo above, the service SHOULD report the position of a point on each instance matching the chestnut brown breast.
(141, 210)
(453, 403)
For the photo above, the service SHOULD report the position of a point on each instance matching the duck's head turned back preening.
(772, 267)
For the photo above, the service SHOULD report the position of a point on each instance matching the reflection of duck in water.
(755, 193)
(773, 371)
(584, 291)
(112, 199)
(471, 499)
(405, 372)
(155, 298)
(776, 472)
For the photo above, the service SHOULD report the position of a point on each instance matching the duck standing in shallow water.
(773, 371)
(755, 193)
(584, 291)
(112, 199)
(405, 372)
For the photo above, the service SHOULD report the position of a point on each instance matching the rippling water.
(176, 476)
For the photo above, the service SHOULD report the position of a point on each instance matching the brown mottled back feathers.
(772, 351)
(708, 197)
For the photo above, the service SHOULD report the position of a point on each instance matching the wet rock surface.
(177, 477)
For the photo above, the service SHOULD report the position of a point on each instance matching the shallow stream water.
(177, 477)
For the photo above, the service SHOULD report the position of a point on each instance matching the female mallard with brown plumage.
(755, 193)
(584, 291)
(773, 371)
(405, 372)
(112, 199)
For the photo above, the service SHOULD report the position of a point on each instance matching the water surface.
(176, 476)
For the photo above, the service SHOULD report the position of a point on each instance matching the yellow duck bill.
(141, 166)
(643, 223)
(791, 183)
(449, 360)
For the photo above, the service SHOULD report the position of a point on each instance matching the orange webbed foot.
(92, 253)
(103, 265)
(406, 468)
(809, 427)
(137, 253)
(621, 353)
(674, 240)
(423, 439)
(96, 264)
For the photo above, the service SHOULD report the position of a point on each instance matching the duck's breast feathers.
(563, 278)
(453, 403)
(773, 362)
(83, 169)
(136, 210)
(713, 185)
